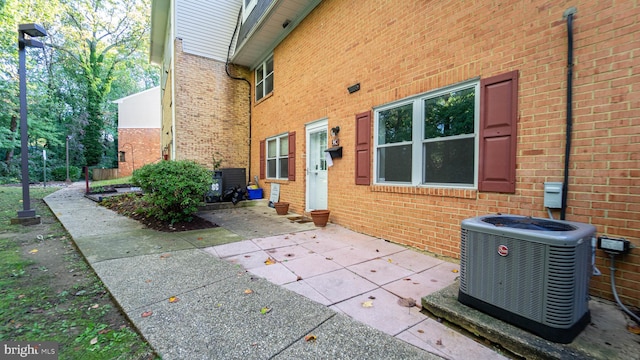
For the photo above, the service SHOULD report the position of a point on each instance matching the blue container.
(255, 194)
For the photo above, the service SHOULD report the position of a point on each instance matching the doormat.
(299, 219)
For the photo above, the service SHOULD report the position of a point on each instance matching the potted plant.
(320, 217)
(282, 208)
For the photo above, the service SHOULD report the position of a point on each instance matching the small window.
(278, 157)
(247, 7)
(264, 79)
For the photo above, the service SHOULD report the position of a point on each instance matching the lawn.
(49, 293)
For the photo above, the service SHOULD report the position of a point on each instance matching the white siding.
(206, 27)
(140, 110)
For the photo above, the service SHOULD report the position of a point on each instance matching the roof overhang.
(159, 16)
(276, 23)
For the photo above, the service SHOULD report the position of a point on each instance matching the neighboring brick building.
(205, 113)
(392, 75)
(138, 130)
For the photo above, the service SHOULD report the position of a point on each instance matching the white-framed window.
(264, 78)
(247, 7)
(429, 139)
(278, 157)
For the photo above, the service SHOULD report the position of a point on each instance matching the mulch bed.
(128, 204)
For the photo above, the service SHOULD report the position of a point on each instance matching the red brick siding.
(396, 49)
(141, 147)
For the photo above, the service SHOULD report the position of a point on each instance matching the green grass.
(36, 305)
(11, 203)
(118, 181)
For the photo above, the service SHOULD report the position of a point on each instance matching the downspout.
(568, 15)
(226, 68)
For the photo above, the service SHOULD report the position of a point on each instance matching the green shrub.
(174, 189)
(59, 173)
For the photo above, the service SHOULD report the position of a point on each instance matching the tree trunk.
(13, 127)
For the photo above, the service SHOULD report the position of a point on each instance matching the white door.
(316, 136)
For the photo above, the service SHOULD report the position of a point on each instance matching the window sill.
(276, 181)
(428, 191)
(264, 98)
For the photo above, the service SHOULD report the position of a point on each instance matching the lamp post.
(27, 216)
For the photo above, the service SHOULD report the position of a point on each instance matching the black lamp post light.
(26, 38)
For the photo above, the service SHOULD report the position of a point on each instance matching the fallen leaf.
(103, 331)
(389, 260)
(21, 296)
(33, 251)
(174, 299)
(634, 329)
(147, 281)
(454, 270)
(95, 306)
(372, 270)
(407, 302)
(367, 304)
(164, 256)
(94, 341)
(200, 238)
(270, 261)
(248, 291)
(147, 313)
(310, 337)
(265, 310)
(329, 258)
(421, 331)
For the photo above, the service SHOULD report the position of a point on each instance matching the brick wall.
(396, 49)
(211, 111)
(141, 147)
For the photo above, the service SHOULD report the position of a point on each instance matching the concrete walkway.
(261, 286)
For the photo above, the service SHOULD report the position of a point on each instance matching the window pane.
(449, 161)
(259, 91)
(259, 74)
(268, 84)
(449, 114)
(284, 168)
(394, 163)
(269, 66)
(271, 168)
(394, 125)
(271, 149)
(284, 146)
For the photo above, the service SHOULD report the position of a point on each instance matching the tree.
(96, 51)
(100, 35)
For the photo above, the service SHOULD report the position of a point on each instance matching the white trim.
(279, 156)
(417, 136)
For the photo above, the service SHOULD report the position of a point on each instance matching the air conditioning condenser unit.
(531, 272)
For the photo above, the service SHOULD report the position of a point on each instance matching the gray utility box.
(553, 195)
(531, 272)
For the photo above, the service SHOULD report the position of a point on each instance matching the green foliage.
(450, 114)
(59, 173)
(174, 189)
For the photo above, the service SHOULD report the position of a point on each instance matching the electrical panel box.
(553, 195)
